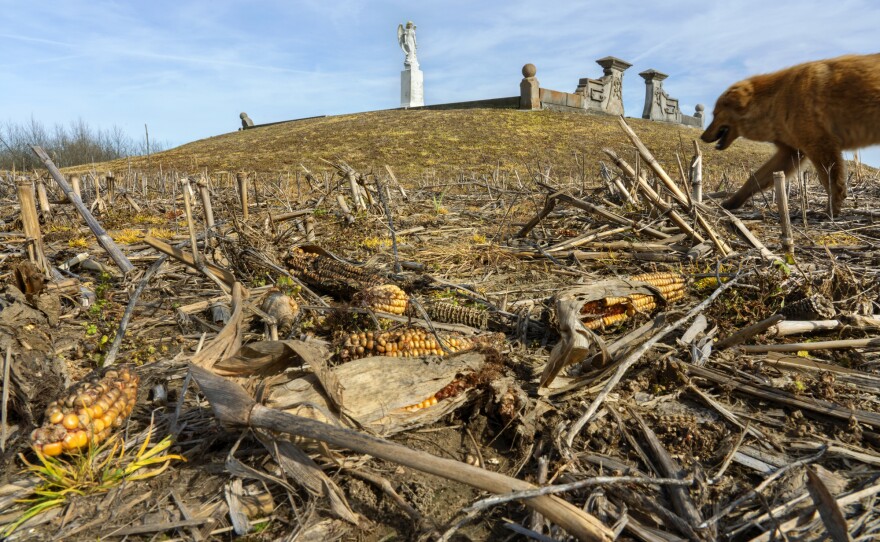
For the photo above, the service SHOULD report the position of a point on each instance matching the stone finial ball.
(700, 108)
(242, 116)
(529, 70)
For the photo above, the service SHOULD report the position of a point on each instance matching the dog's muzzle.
(720, 137)
(723, 132)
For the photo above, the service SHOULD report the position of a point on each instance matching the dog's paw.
(730, 204)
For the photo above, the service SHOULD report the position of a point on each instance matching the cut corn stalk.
(87, 412)
(410, 342)
(383, 298)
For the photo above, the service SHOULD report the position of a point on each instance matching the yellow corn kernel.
(52, 448)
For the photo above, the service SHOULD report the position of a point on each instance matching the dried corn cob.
(410, 342)
(452, 389)
(611, 310)
(815, 307)
(442, 311)
(460, 383)
(384, 298)
(660, 278)
(329, 273)
(257, 503)
(87, 412)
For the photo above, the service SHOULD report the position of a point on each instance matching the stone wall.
(263, 125)
(511, 102)
(602, 95)
(605, 95)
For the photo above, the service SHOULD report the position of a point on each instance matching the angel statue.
(406, 37)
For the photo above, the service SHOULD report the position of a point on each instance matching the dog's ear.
(739, 95)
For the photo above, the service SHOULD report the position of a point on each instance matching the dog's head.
(729, 109)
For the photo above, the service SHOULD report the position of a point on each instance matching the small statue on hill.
(406, 37)
(246, 121)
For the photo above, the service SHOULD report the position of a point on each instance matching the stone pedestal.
(612, 79)
(412, 88)
(655, 97)
(606, 93)
(698, 117)
(529, 89)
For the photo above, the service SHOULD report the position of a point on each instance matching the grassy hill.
(445, 142)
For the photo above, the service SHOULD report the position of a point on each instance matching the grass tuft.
(128, 236)
(96, 470)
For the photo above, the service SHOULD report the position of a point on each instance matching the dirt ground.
(701, 428)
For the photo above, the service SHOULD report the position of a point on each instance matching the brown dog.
(817, 109)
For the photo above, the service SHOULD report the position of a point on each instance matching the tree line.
(68, 145)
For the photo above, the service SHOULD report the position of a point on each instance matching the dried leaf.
(826, 504)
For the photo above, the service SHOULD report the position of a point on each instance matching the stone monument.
(660, 106)
(246, 121)
(412, 89)
(606, 93)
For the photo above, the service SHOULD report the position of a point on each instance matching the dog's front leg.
(785, 160)
(830, 169)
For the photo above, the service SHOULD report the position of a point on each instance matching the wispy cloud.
(31, 39)
(204, 60)
(38, 61)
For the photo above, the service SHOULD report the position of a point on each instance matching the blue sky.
(188, 68)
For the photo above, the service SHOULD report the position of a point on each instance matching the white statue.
(406, 37)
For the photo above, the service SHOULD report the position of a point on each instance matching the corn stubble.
(88, 412)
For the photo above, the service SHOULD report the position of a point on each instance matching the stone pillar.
(612, 80)
(529, 90)
(246, 121)
(655, 106)
(698, 114)
(412, 87)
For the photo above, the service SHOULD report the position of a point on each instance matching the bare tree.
(71, 145)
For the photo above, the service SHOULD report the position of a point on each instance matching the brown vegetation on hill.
(415, 143)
